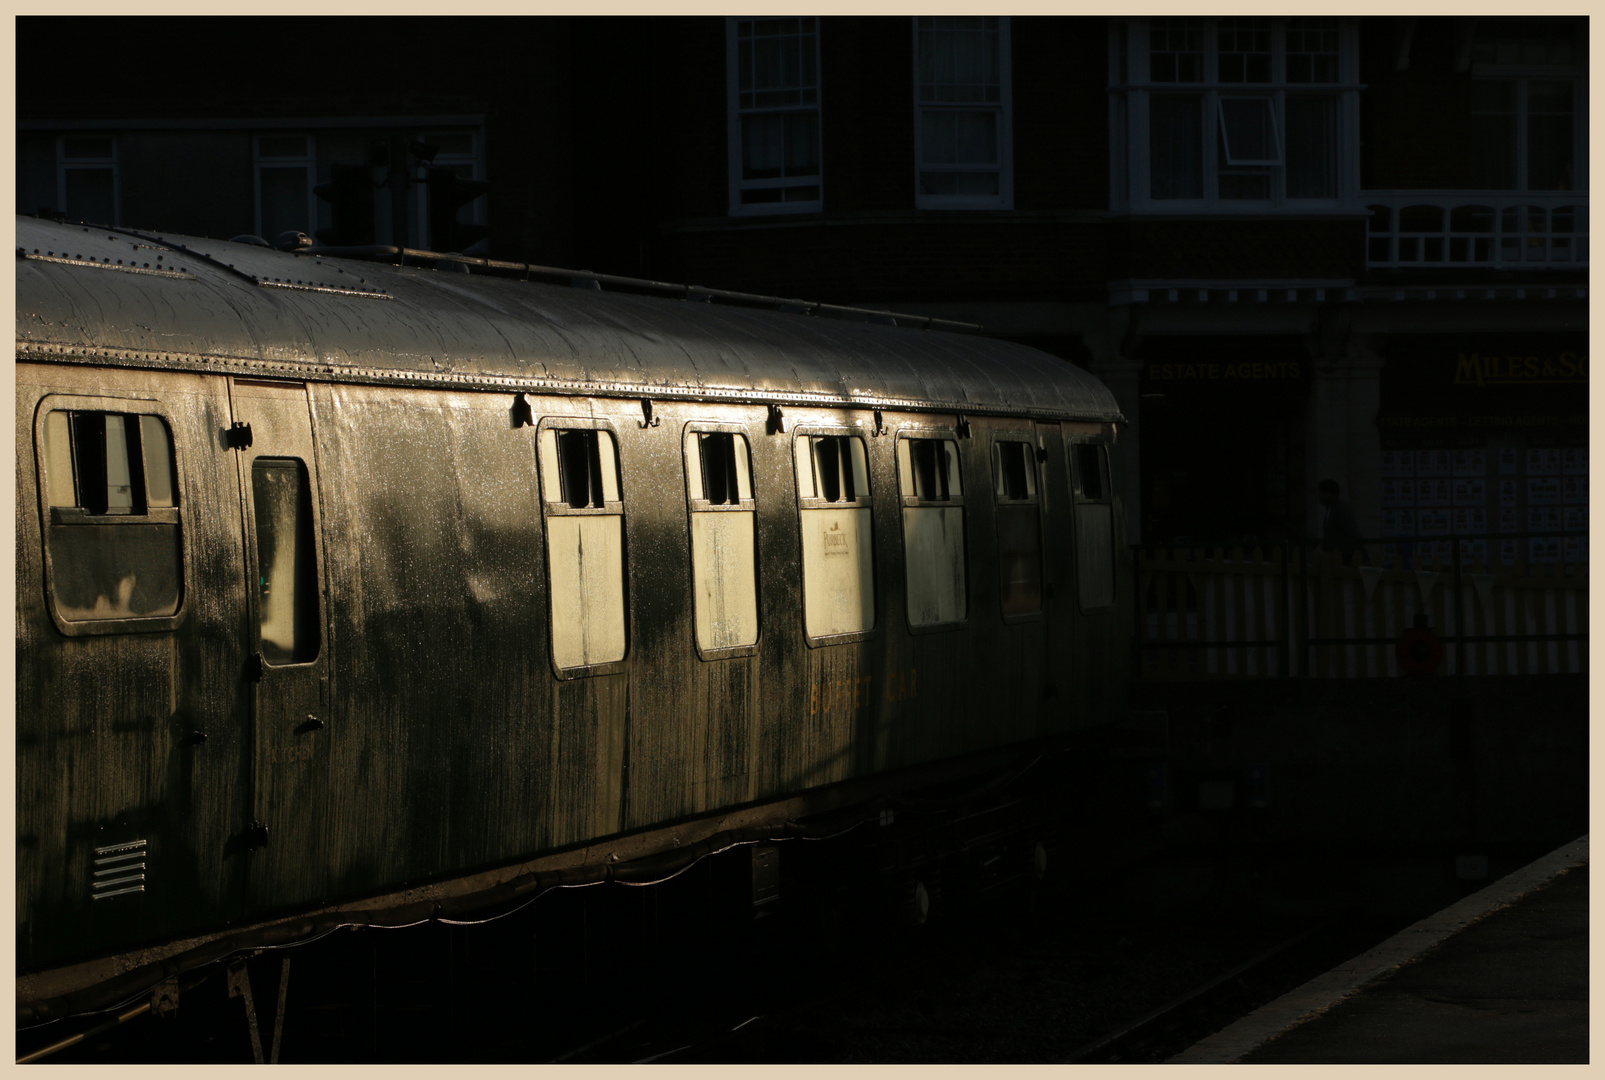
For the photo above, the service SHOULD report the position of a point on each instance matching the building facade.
(1295, 247)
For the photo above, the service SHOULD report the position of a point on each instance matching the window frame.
(1004, 199)
(314, 580)
(1032, 441)
(1522, 76)
(307, 162)
(1079, 498)
(65, 165)
(469, 165)
(552, 505)
(132, 404)
(860, 502)
(703, 506)
(914, 502)
(737, 182)
(1131, 123)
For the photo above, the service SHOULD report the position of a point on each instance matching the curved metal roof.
(86, 293)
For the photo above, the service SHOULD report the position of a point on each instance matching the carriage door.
(287, 672)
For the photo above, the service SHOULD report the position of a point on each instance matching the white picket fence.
(1216, 613)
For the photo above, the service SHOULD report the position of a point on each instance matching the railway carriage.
(367, 592)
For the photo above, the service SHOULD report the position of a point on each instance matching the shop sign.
(1227, 371)
(1479, 369)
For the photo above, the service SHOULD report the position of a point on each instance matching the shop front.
(1486, 436)
(1223, 422)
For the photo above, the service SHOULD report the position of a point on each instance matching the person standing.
(1339, 529)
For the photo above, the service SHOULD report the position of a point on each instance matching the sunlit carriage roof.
(217, 305)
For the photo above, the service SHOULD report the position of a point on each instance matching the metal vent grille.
(119, 869)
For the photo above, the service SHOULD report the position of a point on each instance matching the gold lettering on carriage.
(836, 541)
(289, 755)
(855, 693)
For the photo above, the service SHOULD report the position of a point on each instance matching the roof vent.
(292, 241)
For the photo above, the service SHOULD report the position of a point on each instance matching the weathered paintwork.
(432, 735)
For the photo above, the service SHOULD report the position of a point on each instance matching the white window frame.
(738, 183)
(1004, 199)
(419, 194)
(308, 161)
(1129, 116)
(65, 164)
(1522, 75)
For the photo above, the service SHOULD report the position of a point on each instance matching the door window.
(286, 569)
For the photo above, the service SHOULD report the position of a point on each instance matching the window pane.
(1020, 552)
(838, 571)
(719, 468)
(724, 573)
(579, 467)
(101, 454)
(1176, 152)
(1176, 49)
(587, 588)
(958, 183)
(1244, 185)
(125, 570)
(1245, 50)
(1493, 151)
(959, 138)
(91, 195)
(57, 454)
(959, 59)
(1312, 50)
(158, 450)
(780, 144)
(1014, 471)
(1311, 147)
(1549, 136)
(1248, 131)
(287, 576)
(933, 558)
(1089, 469)
(284, 200)
(839, 469)
(1095, 554)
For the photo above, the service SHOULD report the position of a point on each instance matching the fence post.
(1459, 607)
(1285, 611)
(1304, 606)
(1138, 627)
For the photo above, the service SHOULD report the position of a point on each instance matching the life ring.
(1419, 652)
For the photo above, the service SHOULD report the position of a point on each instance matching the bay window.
(774, 115)
(962, 106)
(1233, 112)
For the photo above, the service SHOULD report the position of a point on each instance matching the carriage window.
(584, 545)
(286, 569)
(113, 522)
(1095, 537)
(933, 530)
(838, 537)
(1019, 522)
(724, 566)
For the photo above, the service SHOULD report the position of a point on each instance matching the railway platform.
(1500, 977)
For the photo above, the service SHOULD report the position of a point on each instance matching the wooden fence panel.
(1256, 613)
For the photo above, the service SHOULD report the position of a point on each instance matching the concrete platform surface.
(1500, 977)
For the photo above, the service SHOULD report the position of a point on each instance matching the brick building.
(1294, 247)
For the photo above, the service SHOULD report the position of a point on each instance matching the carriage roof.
(99, 295)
